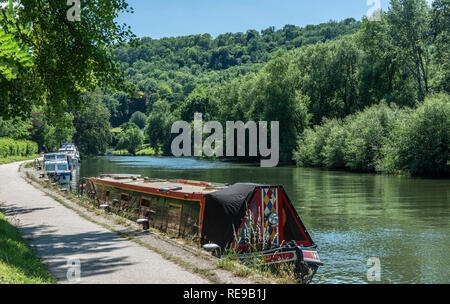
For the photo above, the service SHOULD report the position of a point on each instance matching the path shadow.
(13, 211)
(96, 250)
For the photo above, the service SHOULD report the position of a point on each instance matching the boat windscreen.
(62, 167)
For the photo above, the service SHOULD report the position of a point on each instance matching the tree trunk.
(419, 82)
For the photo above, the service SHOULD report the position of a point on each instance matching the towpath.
(60, 237)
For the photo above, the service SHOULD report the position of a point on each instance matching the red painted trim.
(150, 190)
(294, 215)
(202, 215)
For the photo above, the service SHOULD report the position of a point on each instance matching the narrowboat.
(62, 157)
(71, 151)
(257, 223)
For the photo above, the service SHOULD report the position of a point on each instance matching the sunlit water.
(405, 222)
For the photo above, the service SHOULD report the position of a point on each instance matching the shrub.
(310, 147)
(334, 149)
(420, 140)
(32, 148)
(367, 132)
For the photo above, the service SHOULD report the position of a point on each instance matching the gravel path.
(61, 238)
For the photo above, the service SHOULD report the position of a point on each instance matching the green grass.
(142, 152)
(18, 264)
(13, 159)
(147, 152)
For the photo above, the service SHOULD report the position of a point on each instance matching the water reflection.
(403, 221)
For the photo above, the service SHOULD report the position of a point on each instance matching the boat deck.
(182, 186)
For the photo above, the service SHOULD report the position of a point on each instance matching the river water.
(404, 222)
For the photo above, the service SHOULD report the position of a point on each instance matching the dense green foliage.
(67, 58)
(383, 139)
(419, 142)
(139, 119)
(15, 128)
(159, 127)
(92, 127)
(131, 140)
(11, 147)
(171, 68)
(51, 137)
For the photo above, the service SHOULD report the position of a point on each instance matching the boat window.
(49, 157)
(50, 167)
(62, 167)
(61, 157)
(107, 193)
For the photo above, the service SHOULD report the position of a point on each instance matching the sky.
(167, 18)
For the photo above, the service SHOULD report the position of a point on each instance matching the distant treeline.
(171, 68)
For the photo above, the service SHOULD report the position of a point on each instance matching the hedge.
(11, 147)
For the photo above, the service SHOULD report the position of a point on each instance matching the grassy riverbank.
(145, 151)
(18, 264)
(13, 159)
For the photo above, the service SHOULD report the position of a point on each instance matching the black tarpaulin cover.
(224, 212)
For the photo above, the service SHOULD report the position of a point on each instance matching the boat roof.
(56, 162)
(54, 153)
(181, 186)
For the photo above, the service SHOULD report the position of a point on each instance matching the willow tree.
(48, 59)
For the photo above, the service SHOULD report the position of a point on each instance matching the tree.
(420, 140)
(159, 126)
(131, 140)
(15, 128)
(197, 102)
(92, 127)
(67, 58)
(440, 24)
(139, 118)
(283, 103)
(408, 20)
